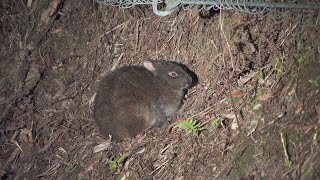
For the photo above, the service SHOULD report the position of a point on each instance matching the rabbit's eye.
(173, 74)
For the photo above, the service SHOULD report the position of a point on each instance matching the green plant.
(261, 74)
(256, 99)
(216, 122)
(287, 159)
(316, 81)
(304, 53)
(113, 165)
(191, 126)
(71, 165)
(278, 65)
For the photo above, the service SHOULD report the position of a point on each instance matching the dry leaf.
(243, 80)
(265, 96)
(238, 94)
(299, 107)
(101, 147)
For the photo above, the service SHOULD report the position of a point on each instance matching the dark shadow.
(208, 14)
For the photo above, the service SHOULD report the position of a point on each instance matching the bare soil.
(257, 99)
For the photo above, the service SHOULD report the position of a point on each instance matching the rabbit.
(134, 98)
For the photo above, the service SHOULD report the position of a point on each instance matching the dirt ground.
(257, 99)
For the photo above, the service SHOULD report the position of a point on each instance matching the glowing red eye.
(173, 74)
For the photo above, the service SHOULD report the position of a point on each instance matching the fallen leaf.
(229, 115)
(238, 94)
(265, 96)
(299, 107)
(101, 147)
(244, 79)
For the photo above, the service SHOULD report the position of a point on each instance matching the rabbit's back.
(123, 105)
(127, 85)
(132, 98)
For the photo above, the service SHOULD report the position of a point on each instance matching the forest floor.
(257, 100)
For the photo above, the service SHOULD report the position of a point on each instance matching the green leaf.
(216, 122)
(112, 165)
(261, 74)
(191, 126)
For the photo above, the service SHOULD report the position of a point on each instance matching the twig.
(294, 27)
(12, 157)
(159, 167)
(227, 72)
(137, 37)
(116, 63)
(287, 160)
(120, 25)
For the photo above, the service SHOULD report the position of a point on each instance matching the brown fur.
(133, 98)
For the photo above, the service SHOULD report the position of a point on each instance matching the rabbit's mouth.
(193, 81)
(187, 85)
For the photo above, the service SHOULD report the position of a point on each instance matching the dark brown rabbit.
(133, 98)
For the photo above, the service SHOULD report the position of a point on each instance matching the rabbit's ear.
(149, 66)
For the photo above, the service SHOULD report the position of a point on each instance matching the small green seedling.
(113, 165)
(287, 160)
(71, 165)
(261, 74)
(216, 122)
(316, 81)
(278, 65)
(191, 126)
(255, 101)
